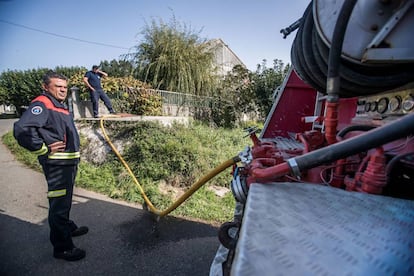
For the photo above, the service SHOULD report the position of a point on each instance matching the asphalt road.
(123, 239)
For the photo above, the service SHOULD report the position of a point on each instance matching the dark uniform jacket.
(47, 121)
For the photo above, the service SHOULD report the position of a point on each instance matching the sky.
(45, 33)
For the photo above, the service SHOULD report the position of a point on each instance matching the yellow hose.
(182, 198)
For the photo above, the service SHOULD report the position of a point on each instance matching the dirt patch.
(173, 192)
(218, 190)
(176, 192)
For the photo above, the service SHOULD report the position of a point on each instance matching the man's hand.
(85, 80)
(57, 147)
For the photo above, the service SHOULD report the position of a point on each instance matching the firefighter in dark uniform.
(47, 129)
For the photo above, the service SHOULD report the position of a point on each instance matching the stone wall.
(83, 109)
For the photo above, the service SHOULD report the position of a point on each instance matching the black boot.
(73, 254)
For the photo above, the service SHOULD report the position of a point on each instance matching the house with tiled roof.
(225, 58)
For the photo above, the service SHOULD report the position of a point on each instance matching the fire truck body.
(328, 186)
(354, 216)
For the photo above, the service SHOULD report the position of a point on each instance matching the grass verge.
(174, 156)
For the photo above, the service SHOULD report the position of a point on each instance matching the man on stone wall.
(92, 79)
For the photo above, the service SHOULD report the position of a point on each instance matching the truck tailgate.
(308, 229)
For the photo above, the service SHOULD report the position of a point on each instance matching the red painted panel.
(297, 101)
(346, 111)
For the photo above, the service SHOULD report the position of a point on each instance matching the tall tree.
(236, 98)
(265, 81)
(244, 92)
(117, 68)
(173, 57)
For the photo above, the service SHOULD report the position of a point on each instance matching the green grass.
(20, 153)
(177, 156)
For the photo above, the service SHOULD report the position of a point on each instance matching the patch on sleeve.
(36, 110)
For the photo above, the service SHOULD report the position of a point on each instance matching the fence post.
(73, 102)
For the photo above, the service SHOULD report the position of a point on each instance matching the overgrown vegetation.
(128, 95)
(173, 57)
(164, 160)
(246, 93)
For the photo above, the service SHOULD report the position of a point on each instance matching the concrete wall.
(83, 109)
(9, 109)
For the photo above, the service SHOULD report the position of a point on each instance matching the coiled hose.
(182, 198)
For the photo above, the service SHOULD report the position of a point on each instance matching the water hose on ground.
(182, 198)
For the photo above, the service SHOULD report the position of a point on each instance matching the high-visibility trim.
(56, 193)
(42, 150)
(65, 155)
(49, 105)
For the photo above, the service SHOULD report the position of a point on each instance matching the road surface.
(121, 238)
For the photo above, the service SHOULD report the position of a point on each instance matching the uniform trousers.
(60, 180)
(95, 96)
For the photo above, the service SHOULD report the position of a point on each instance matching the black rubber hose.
(395, 160)
(364, 79)
(298, 58)
(307, 52)
(395, 130)
(311, 64)
(321, 58)
(348, 129)
(334, 61)
(351, 84)
(310, 57)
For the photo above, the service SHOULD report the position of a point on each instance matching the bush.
(179, 154)
(139, 101)
(128, 94)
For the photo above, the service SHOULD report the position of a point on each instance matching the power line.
(63, 36)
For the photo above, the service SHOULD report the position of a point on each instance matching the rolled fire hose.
(182, 198)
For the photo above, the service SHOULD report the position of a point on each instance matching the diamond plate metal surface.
(307, 229)
(284, 143)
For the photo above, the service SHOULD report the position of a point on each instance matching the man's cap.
(95, 67)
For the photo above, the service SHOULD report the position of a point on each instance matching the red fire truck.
(328, 186)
